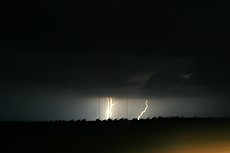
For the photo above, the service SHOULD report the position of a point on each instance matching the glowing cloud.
(146, 106)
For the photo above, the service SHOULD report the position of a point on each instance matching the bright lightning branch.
(146, 106)
(109, 107)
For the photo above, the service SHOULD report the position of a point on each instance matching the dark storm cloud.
(208, 74)
(116, 72)
(80, 70)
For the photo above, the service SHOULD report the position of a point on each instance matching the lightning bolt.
(146, 106)
(109, 107)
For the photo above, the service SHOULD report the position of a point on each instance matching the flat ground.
(174, 135)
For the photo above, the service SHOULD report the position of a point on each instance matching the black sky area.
(114, 48)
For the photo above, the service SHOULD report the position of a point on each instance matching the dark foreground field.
(174, 135)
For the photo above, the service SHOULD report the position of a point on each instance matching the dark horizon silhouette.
(159, 134)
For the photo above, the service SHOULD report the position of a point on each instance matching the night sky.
(62, 59)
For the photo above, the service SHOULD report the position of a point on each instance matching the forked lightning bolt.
(109, 107)
(146, 106)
